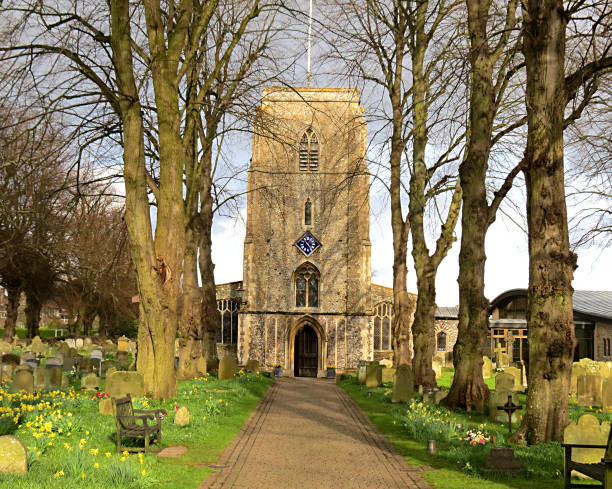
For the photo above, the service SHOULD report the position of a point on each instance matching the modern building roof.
(587, 304)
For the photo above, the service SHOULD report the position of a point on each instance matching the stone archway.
(290, 355)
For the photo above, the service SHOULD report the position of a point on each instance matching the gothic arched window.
(441, 341)
(308, 213)
(307, 286)
(309, 151)
(227, 330)
(383, 326)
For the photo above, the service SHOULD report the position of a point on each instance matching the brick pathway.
(308, 434)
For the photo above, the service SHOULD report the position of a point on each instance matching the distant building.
(592, 320)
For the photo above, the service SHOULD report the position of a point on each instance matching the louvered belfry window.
(309, 151)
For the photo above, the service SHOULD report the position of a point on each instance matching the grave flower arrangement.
(474, 437)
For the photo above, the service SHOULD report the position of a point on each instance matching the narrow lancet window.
(308, 213)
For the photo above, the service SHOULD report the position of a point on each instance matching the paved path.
(308, 434)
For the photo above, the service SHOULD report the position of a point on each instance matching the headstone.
(181, 417)
(40, 377)
(502, 459)
(121, 383)
(373, 374)
(70, 342)
(90, 382)
(97, 354)
(582, 391)
(498, 398)
(227, 367)
(388, 375)
(606, 394)
(403, 384)
(87, 364)
(105, 406)
(504, 381)
(68, 363)
(436, 365)
(5, 347)
(54, 376)
(516, 373)
(6, 371)
(440, 358)
(499, 361)
(123, 344)
(587, 430)
(386, 363)
(111, 371)
(13, 456)
(79, 343)
(38, 347)
(438, 396)
(504, 359)
(28, 355)
(10, 358)
(54, 362)
(33, 363)
(108, 364)
(23, 380)
(87, 342)
(201, 365)
(132, 346)
(487, 367)
(252, 366)
(65, 381)
(361, 372)
(448, 358)
(594, 384)
(63, 350)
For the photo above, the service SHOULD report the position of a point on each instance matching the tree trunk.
(12, 311)
(190, 330)
(88, 318)
(468, 389)
(423, 330)
(158, 261)
(551, 263)
(210, 314)
(32, 311)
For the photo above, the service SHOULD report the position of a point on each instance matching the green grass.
(456, 465)
(80, 437)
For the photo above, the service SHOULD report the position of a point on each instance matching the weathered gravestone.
(13, 456)
(111, 371)
(448, 358)
(252, 366)
(90, 382)
(87, 364)
(54, 377)
(40, 375)
(227, 367)
(68, 363)
(181, 417)
(123, 358)
(361, 372)
(497, 399)
(23, 379)
(388, 374)
(63, 350)
(582, 392)
(54, 362)
(108, 364)
(27, 356)
(487, 367)
(436, 365)
(6, 371)
(123, 344)
(403, 384)
(594, 383)
(606, 394)
(71, 342)
(201, 365)
(37, 346)
(65, 381)
(87, 342)
(504, 381)
(516, 373)
(79, 343)
(121, 383)
(438, 396)
(373, 374)
(109, 347)
(5, 347)
(105, 406)
(440, 358)
(587, 431)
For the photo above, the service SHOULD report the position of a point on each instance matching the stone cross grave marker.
(498, 351)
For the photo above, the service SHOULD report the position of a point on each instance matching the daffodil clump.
(425, 422)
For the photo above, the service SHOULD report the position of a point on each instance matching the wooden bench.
(126, 421)
(601, 471)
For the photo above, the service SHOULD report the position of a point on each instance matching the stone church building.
(306, 300)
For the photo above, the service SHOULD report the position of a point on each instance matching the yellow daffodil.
(108, 454)
(143, 472)
(96, 465)
(94, 451)
(122, 459)
(82, 475)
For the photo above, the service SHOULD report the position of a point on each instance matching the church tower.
(306, 301)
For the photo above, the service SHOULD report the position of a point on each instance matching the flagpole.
(309, 43)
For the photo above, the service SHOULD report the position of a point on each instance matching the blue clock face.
(308, 244)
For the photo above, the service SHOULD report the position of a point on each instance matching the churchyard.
(463, 440)
(56, 401)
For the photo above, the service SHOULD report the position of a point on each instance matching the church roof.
(447, 312)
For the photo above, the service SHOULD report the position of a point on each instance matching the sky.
(506, 250)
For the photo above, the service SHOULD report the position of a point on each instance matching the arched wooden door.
(306, 352)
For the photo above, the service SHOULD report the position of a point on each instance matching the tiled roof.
(447, 312)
